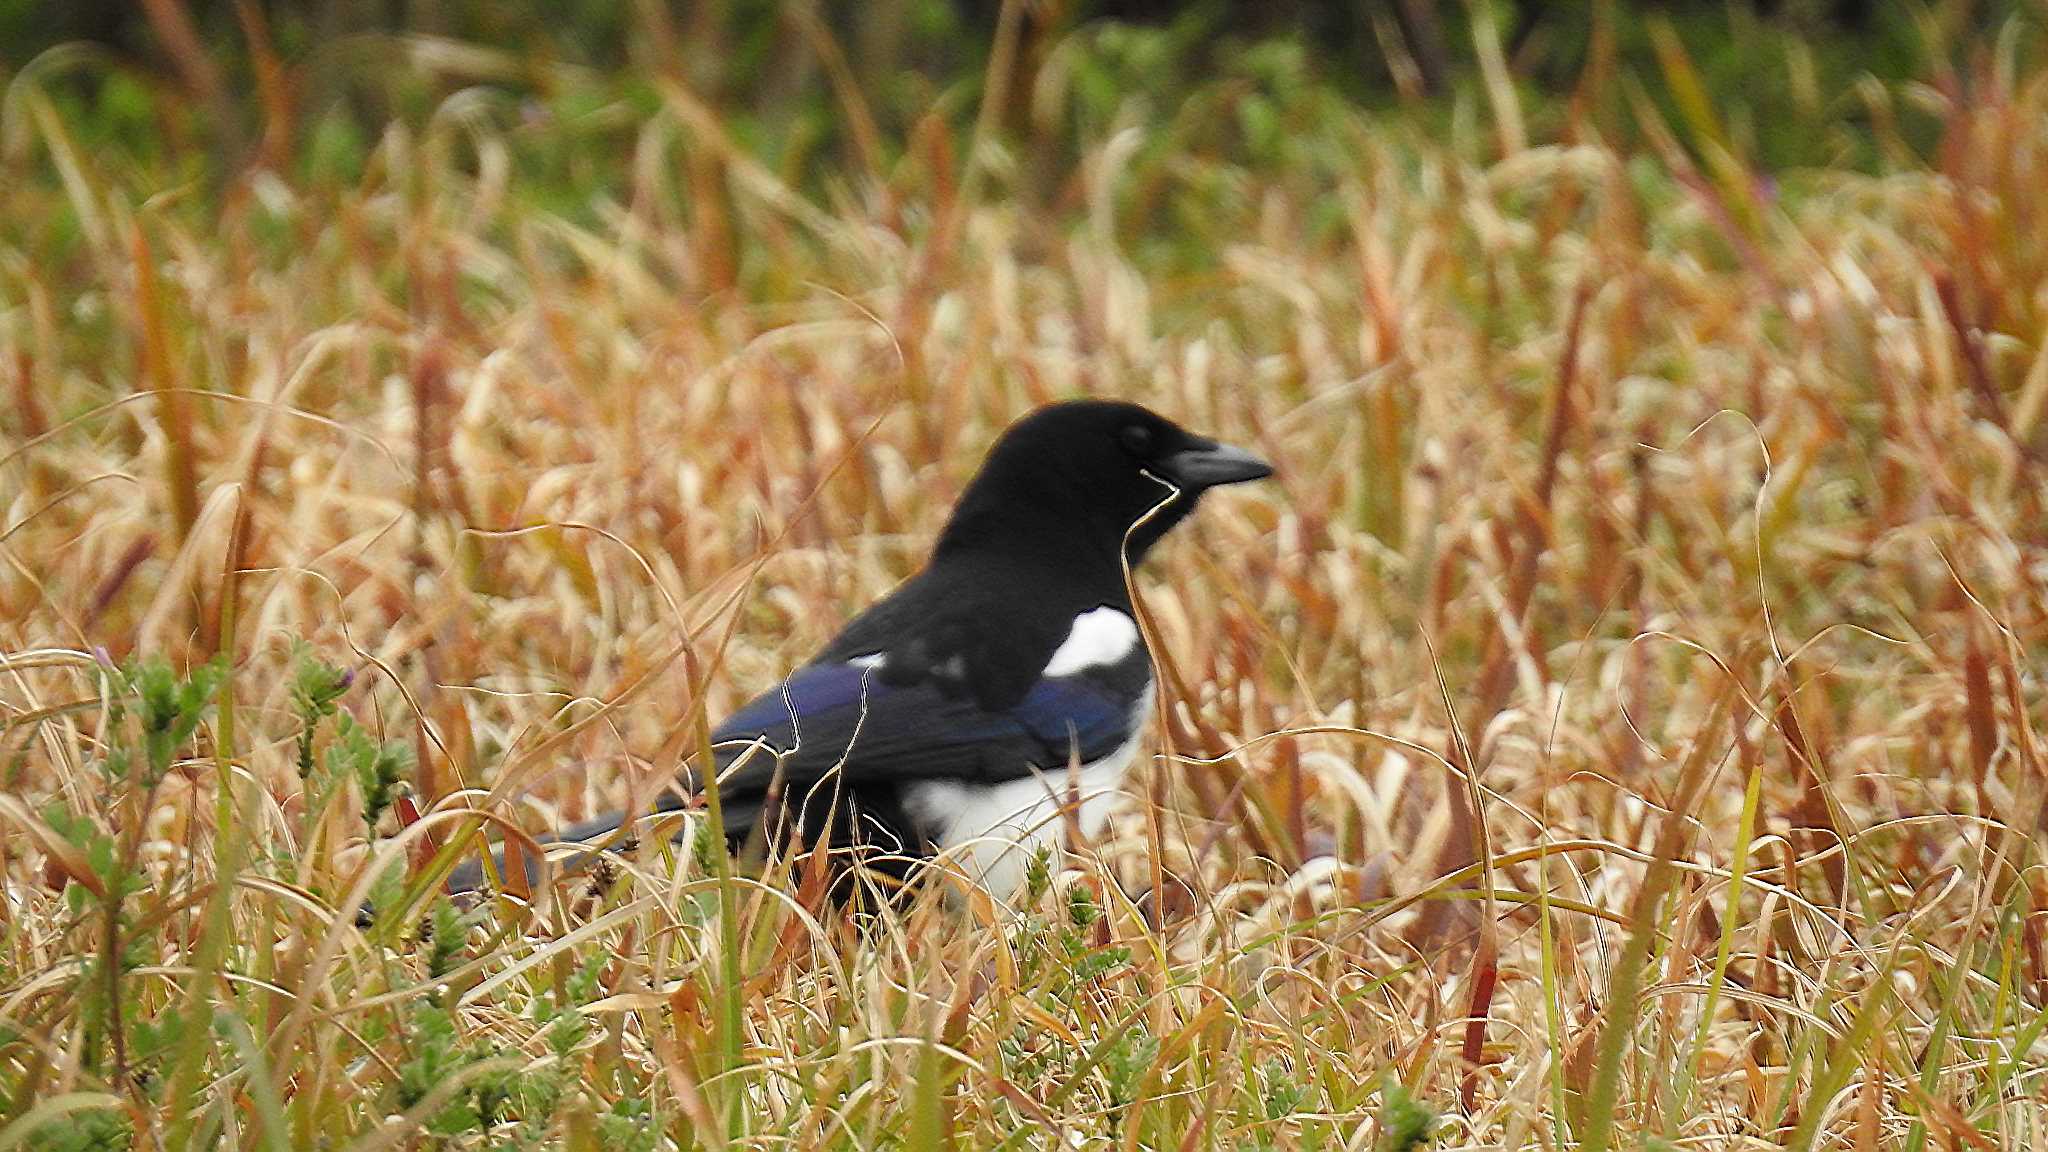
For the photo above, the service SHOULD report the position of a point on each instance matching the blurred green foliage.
(347, 67)
(875, 104)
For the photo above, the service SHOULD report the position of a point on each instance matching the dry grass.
(1687, 531)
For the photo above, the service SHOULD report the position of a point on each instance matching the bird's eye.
(1137, 439)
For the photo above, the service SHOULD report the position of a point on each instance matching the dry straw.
(1622, 717)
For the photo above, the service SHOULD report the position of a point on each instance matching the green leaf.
(1405, 1121)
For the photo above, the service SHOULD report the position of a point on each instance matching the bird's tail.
(596, 834)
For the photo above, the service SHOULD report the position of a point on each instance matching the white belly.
(992, 831)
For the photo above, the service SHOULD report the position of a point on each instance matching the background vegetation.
(1621, 722)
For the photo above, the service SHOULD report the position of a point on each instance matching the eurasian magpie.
(951, 715)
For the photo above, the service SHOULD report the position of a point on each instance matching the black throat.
(1076, 539)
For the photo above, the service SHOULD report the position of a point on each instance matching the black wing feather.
(860, 721)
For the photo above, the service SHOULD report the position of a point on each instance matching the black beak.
(1209, 464)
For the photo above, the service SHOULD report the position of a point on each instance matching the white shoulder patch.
(871, 660)
(1099, 637)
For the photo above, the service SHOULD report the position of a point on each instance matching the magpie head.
(1077, 479)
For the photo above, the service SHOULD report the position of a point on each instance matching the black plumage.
(976, 683)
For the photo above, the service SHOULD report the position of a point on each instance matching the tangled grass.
(1621, 721)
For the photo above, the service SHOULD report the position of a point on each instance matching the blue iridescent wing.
(824, 715)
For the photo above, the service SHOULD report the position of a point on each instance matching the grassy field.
(1620, 724)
